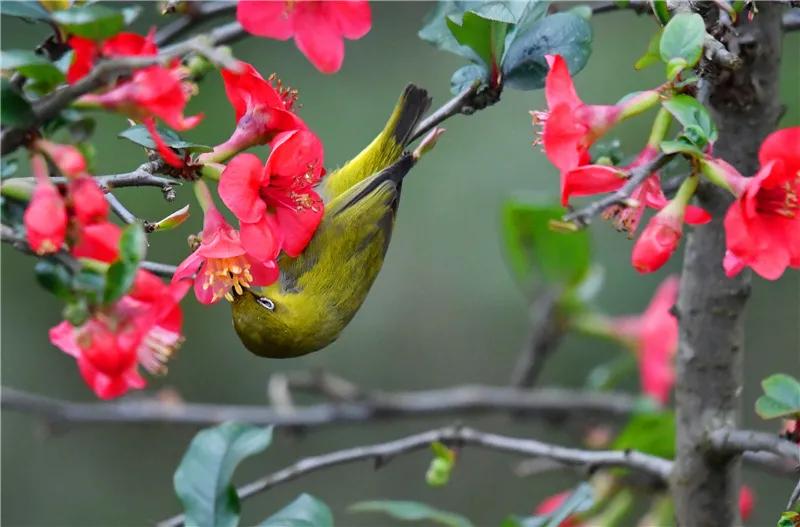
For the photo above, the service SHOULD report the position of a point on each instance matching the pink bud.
(657, 242)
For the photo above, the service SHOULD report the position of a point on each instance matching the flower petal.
(298, 225)
(296, 159)
(264, 272)
(262, 239)
(239, 187)
(784, 145)
(589, 180)
(353, 17)
(318, 39)
(558, 85)
(266, 19)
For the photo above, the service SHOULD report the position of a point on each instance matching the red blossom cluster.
(151, 92)
(275, 202)
(762, 227)
(144, 326)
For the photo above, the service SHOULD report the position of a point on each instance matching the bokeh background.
(443, 311)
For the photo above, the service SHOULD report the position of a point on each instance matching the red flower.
(551, 504)
(654, 337)
(262, 111)
(588, 180)
(88, 200)
(45, 217)
(659, 239)
(318, 27)
(99, 241)
(143, 327)
(747, 501)
(275, 204)
(66, 158)
(762, 226)
(221, 263)
(570, 126)
(86, 51)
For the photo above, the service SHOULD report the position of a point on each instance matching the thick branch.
(461, 437)
(549, 403)
(730, 441)
(584, 216)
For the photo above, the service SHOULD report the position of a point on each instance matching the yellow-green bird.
(320, 291)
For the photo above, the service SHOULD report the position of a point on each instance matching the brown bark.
(745, 106)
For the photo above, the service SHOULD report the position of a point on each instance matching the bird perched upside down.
(319, 291)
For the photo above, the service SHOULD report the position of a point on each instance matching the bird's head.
(275, 324)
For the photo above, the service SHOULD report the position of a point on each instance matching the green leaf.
(203, 479)
(464, 77)
(15, 110)
(55, 278)
(789, 519)
(122, 273)
(412, 511)
(661, 11)
(138, 134)
(441, 466)
(682, 146)
(535, 251)
(76, 312)
(649, 432)
(89, 284)
(24, 9)
(94, 21)
(652, 55)
(305, 511)
(675, 67)
(486, 37)
(781, 397)
(525, 14)
(436, 32)
(524, 64)
(33, 66)
(683, 39)
(581, 499)
(690, 113)
(8, 167)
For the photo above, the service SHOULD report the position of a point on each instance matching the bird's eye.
(265, 302)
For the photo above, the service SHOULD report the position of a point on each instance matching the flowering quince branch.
(382, 453)
(732, 441)
(583, 217)
(467, 102)
(195, 13)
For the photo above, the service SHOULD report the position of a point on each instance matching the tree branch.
(583, 217)
(105, 71)
(546, 328)
(467, 102)
(119, 209)
(551, 403)
(730, 441)
(382, 453)
(198, 12)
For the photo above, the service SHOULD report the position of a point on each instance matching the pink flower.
(653, 336)
(66, 158)
(98, 241)
(262, 111)
(87, 200)
(45, 218)
(589, 180)
(143, 327)
(275, 203)
(221, 263)
(747, 501)
(318, 27)
(762, 227)
(570, 127)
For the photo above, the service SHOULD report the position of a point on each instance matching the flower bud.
(66, 158)
(657, 243)
(722, 174)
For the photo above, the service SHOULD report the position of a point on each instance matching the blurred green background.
(443, 311)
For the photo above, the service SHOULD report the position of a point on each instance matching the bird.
(320, 291)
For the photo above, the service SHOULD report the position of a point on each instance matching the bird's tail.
(387, 147)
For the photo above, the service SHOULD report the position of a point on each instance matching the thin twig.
(467, 102)
(794, 496)
(729, 441)
(119, 209)
(198, 12)
(105, 71)
(551, 403)
(382, 453)
(544, 334)
(18, 241)
(583, 217)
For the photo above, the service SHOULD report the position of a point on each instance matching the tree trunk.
(745, 106)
